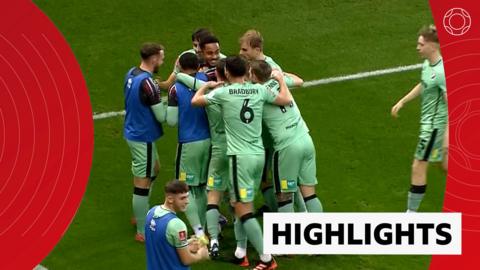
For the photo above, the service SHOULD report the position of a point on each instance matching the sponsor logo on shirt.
(153, 225)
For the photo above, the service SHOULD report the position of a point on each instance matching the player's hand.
(277, 75)
(203, 252)
(213, 84)
(193, 245)
(396, 108)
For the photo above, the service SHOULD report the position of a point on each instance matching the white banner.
(362, 233)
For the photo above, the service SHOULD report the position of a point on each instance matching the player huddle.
(239, 131)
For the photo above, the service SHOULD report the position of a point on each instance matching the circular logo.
(457, 21)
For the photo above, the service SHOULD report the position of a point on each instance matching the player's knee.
(283, 197)
(307, 190)
(244, 218)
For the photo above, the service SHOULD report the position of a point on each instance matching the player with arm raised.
(242, 104)
(196, 36)
(251, 47)
(193, 147)
(294, 157)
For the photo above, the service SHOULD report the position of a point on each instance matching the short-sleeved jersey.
(284, 123)
(434, 106)
(272, 63)
(176, 229)
(242, 106)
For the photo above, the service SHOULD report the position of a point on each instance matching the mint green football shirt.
(242, 107)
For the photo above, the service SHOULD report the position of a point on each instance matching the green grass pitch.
(363, 155)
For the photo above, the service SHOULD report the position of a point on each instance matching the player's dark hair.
(176, 187)
(236, 66)
(429, 33)
(208, 40)
(200, 32)
(220, 67)
(150, 48)
(261, 69)
(188, 61)
(253, 38)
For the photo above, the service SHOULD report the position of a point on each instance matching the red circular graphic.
(457, 21)
(46, 135)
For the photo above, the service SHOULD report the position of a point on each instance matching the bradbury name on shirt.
(243, 91)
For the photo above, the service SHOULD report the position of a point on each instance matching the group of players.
(238, 124)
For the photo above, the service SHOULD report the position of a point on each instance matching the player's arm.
(189, 258)
(189, 81)
(284, 97)
(150, 96)
(171, 79)
(415, 92)
(199, 99)
(292, 80)
(168, 83)
(172, 109)
(177, 237)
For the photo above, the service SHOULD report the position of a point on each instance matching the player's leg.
(268, 192)
(184, 171)
(143, 169)
(244, 169)
(418, 185)
(298, 202)
(428, 149)
(240, 254)
(308, 175)
(285, 169)
(202, 148)
(216, 186)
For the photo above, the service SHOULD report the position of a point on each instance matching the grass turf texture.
(363, 156)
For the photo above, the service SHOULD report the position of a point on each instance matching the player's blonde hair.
(429, 33)
(253, 38)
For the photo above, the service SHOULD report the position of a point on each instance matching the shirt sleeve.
(215, 96)
(177, 234)
(268, 94)
(172, 96)
(150, 92)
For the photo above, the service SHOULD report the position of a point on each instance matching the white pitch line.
(361, 75)
(107, 115)
(342, 78)
(40, 267)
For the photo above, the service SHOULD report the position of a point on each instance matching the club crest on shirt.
(182, 235)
